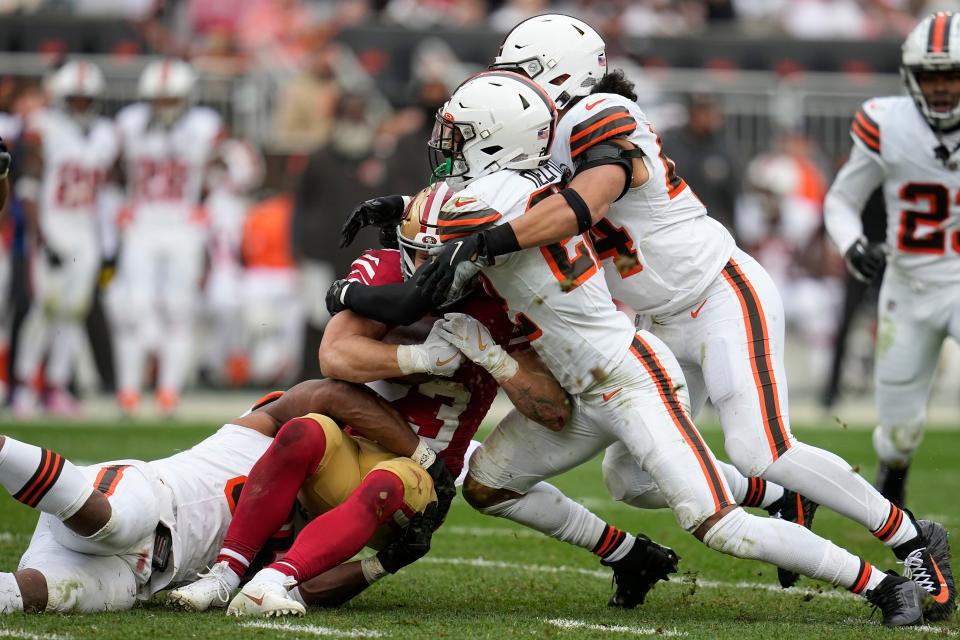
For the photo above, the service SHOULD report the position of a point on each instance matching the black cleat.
(929, 566)
(794, 508)
(636, 573)
(899, 599)
(892, 483)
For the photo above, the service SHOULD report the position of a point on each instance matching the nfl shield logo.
(543, 134)
(602, 60)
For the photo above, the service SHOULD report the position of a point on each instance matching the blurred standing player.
(69, 150)
(167, 146)
(909, 146)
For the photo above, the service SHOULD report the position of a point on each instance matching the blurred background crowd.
(327, 103)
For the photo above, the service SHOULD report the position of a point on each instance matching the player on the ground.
(492, 141)
(711, 303)
(167, 146)
(445, 410)
(908, 145)
(116, 532)
(69, 150)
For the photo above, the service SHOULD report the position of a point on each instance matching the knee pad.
(626, 482)
(307, 441)
(381, 493)
(749, 451)
(102, 584)
(895, 444)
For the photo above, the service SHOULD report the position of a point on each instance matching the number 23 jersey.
(659, 247)
(922, 196)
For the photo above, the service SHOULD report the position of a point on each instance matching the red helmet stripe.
(938, 38)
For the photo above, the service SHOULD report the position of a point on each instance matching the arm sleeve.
(391, 304)
(848, 195)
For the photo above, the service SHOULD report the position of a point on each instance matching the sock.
(271, 491)
(130, 355)
(792, 547)
(42, 479)
(340, 533)
(10, 599)
(898, 531)
(34, 339)
(826, 479)
(175, 354)
(545, 509)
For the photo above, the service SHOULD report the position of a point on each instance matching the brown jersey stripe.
(607, 115)
(664, 384)
(872, 143)
(48, 472)
(108, 479)
(758, 341)
(866, 129)
(468, 218)
(606, 132)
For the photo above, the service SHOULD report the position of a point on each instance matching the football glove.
(413, 543)
(53, 258)
(435, 356)
(453, 265)
(445, 486)
(5, 159)
(336, 295)
(865, 260)
(385, 211)
(474, 341)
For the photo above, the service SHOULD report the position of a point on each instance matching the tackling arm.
(536, 393)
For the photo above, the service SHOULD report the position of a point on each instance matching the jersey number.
(232, 491)
(76, 186)
(161, 180)
(937, 199)
(570, 272)
(675, 183)
(614, 242)
(444, 401)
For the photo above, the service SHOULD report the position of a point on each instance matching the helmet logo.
(448, 116)
(543, 134)
(429, 240)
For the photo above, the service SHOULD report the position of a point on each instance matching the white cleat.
(213, 589)
(266, 596)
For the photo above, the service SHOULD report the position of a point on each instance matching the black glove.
(384, 211)
(335, 296)
(413, 543)
(53, 258)
(5, 159)
(865, 260)
(445, 486)
(437, 277)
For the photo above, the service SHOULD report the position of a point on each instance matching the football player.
(167, 146)
(711, 303)
(908, 145)
(444, 408)
(116, 532)
(492, 141)
(69, 150)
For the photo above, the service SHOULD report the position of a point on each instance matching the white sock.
(546, 509)
(791, 547)
(826, 479)
(10, 599)
(130, 357)
(42, 479)
(175, 355)
(34, 339)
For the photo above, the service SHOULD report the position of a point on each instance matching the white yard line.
(565, 623)
(483, 563)
(314, 630)
(26, 635)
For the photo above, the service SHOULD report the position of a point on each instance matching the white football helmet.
(77, 79)
(933, 47)
(495, 120)
(168, 83)
(564, 55)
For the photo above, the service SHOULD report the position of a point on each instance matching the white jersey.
(166, 166)
(660, 248)
(205, 482)
(75, 162)
(556, 294)
(894, 147)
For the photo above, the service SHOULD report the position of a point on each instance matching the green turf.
(446, 596)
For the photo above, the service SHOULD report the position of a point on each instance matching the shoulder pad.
(609, 152)
(464, 214)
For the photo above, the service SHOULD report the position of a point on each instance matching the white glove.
(435, 356)
(476, 343)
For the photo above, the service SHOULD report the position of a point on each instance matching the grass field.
(487, 578)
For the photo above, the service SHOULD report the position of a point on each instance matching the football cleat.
(24, 402)
(213, 589)
(899, 599)
(638, 571)
(266, 596)
(929, 567)
(795, 508)
(62, 404)
(892, 483)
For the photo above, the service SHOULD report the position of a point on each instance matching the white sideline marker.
(26, 635)
(564, 623)
(483, 563)
(312, 630)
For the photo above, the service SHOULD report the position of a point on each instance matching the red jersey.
(445, 411)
